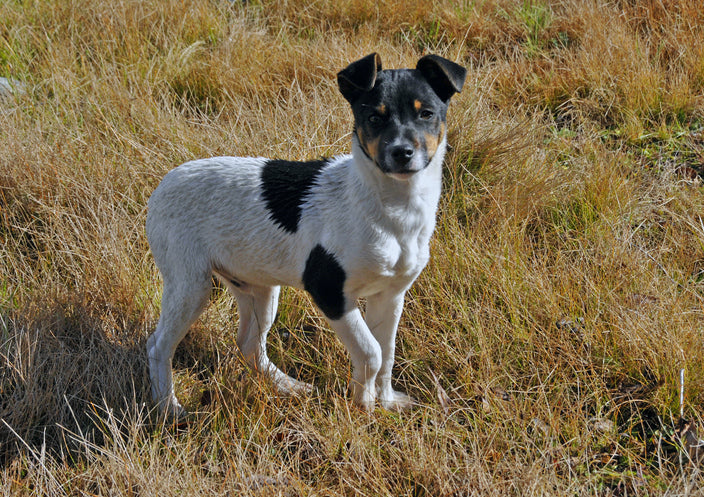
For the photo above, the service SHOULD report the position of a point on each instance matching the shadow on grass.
(61, 370)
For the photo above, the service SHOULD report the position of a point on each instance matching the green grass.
(543, 341)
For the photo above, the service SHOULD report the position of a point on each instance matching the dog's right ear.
(359, 77)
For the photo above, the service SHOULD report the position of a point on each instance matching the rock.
(11, 87)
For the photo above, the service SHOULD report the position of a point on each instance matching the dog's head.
(400, 114)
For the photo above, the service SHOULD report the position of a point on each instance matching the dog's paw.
(363, 397)
(397, 401)
(290, 386)
(172, 411)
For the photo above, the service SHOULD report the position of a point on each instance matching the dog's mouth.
(402, 175)
(404, 169)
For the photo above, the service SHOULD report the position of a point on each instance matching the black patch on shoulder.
(324, 278)
(285, 185)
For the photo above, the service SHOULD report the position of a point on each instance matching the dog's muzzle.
(401, 155)
(403, 161)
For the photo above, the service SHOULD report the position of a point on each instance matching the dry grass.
(544, 340)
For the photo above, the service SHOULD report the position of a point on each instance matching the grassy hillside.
(544, 341)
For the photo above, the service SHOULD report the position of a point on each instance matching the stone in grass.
(11, 87)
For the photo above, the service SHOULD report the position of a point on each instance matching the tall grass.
(543, 341)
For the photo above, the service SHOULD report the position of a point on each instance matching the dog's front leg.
(365, 355)
(383, 315)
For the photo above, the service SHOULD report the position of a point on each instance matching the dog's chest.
(402, 256)
(392, 262)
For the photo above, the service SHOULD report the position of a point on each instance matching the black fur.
(324, 279)
(359, 77)
(285, 185)
(398, 92)
(446, 77)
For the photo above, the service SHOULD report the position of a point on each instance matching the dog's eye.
(426, 115)
(375, 119)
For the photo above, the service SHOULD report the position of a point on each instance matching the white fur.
(206, 217)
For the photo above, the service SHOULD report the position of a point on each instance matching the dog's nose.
(402, 154)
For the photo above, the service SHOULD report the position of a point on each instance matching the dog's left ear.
(445, 77)
(359, 77)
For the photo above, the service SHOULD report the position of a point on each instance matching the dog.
(341, 228)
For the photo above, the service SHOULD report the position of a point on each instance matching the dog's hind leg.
(182, 302)
(257, 309)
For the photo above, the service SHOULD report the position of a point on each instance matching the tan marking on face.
(431, 144)
(417, 105)
(373, 148)
(381, 109)
(369, 146)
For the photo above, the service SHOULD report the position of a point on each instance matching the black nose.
(402, 154)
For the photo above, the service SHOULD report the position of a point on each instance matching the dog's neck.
(411, 201)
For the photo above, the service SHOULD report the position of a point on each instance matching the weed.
(536, 18)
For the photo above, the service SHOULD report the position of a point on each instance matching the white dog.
(348, 227)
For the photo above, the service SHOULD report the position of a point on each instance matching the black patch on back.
(285, 185)
(324, 278)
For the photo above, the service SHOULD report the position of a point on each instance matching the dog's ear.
(445, 77)
(359, 77)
